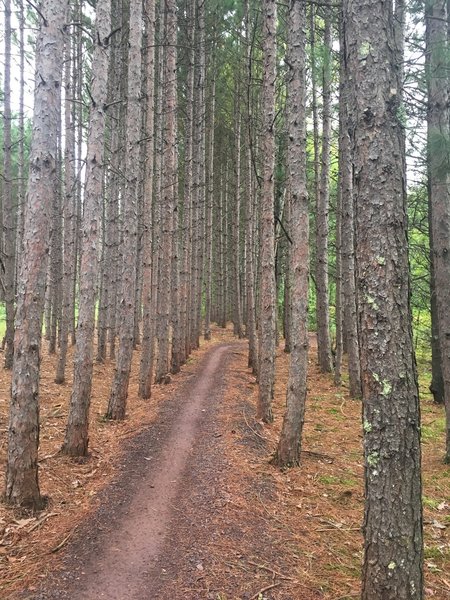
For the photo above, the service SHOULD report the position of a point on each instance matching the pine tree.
(391, 421)
(289, 447)
(76, 437)
(267, 314)
(22, 487)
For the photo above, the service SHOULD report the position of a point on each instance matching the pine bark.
(393, 557)
(339, 319)
(168, 193)
(8, 258)
(68, 220)
(119, 391)
(21, 161)
(322, 209)
(249, 240)
(201, 168)
(77, 432)
(22, 487)
(145, 376)
(209, 210)
(188, 183)
(350, 325)
(439, 186)
(289, 446)
(56, 258)
(267, 226)
(237, 305)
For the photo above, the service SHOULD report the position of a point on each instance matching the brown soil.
(189, 506)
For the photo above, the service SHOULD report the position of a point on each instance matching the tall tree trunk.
(224, 245)
(77, 431)
(289, 446)
(393, 557)
(437, 380)
(348, 230)
(322, 208)
(145, 376)
(168, 193)
(117, 122)
(209, 210)
(188, 181)
(69, 219)
(119, 392)
(56, 257)
(102, 318)
(22, 486)
(438, 136)
(250, 267)
(267, 236)
(79, 120)
(201, 189)
(237, 305)
(175, 360)
(339, 319)
(8, 258)
(21, 161)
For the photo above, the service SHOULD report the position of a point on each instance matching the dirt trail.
(115, 556)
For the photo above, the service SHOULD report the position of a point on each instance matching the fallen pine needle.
(61, 544)
(44, 518)
(265, 589)
(270, 570)
(253, 430)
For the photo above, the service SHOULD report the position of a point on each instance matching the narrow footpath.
(118, 556)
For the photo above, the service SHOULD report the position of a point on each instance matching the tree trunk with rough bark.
(249, 239)
(209, 210)
(237, 305)
(350, 324)
(322, 209)
(267, 316)
(289, 446)
(69, 219)
(168, 193)
(439, 186)
(8, 258)
(393, 558)
(77, 432)
(119, 392)
(188, 182)
(145, 375)
(22, 488)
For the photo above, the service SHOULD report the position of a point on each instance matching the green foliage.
(2, 321)
(419, 260)
(439, 148)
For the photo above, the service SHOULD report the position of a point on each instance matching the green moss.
(430, 502)
(328, 479)
(434, 430)
(387, 388)
(364, 50)
(332, 480)
(371, 302)
(436, 552)
(373, 459)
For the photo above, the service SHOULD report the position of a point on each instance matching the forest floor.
(180, 500)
